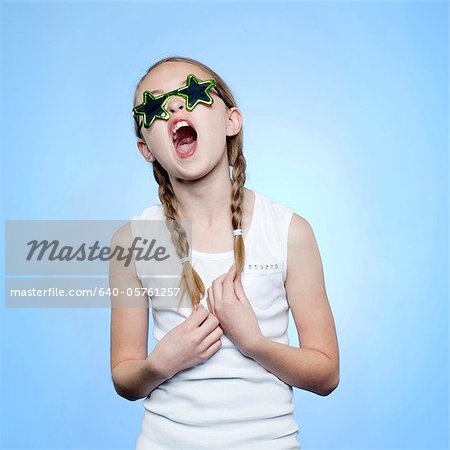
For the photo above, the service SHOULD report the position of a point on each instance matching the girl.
(222, 371)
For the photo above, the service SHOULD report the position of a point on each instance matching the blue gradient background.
(345, 108)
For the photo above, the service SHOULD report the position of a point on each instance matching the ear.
(234, 121)
(145, 151)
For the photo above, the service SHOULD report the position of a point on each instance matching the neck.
(205, 201)
(204, 204)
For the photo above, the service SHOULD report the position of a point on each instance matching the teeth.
(178, 125)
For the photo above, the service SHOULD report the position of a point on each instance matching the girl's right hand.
(191, 342)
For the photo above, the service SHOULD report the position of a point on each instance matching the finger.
(210, 300)
(239, 288)
(212, 337)
(220, 279)
(198, 316)
(213, 349)
(198, 307)
(209, 304)
(216, 289)
(208, 326)
(227, 284)
(232, 269)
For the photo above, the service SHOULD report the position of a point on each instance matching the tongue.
(185, 144)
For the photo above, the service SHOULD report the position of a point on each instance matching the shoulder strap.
(283, 216)
(153, 212)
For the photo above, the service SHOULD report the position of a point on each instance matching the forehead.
(170, 76)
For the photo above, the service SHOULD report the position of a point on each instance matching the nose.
(175, 103)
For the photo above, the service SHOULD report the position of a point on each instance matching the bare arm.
(191, 342)
(134, 373)
(314, 366)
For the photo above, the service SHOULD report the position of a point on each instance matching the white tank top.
(229, 401)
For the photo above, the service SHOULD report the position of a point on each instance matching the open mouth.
(185, 139)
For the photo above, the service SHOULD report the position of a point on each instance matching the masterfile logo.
(67, 263)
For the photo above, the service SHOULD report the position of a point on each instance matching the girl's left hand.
(228, 302)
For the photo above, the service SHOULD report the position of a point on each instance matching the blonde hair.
(191, 278)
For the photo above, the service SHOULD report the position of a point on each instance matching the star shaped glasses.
(195, 91)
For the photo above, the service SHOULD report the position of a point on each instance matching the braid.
(238, 163)
(190, 278)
